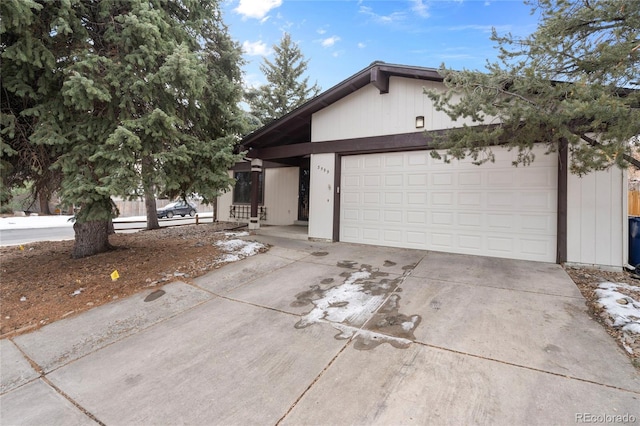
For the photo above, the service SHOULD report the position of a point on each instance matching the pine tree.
(138, 95)
(573, 82)
(286, 89)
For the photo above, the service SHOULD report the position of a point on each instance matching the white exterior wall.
(366, 112)
(321, 196)
(280, 197)
(597, 224)
(224, 202)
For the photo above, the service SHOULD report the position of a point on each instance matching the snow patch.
(623, 310)
(237, 249)
(347, 302)
(236, 234)
(30, 222)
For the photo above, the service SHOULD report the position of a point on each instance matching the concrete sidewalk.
(318, 333)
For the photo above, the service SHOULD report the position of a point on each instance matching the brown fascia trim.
(245, 166)
(373, 144)
(378, 73)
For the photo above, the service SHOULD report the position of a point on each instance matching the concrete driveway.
(315, 333)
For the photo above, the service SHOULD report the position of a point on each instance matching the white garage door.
(411, 200)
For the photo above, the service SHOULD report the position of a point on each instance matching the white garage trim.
(408, 199)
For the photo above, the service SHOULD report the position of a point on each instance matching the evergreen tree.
(286, 89)
(23, 83)
(573, 82)
(128, 96)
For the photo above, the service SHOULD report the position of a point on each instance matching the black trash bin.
(634, 240)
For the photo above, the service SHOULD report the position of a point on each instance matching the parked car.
(181, 208)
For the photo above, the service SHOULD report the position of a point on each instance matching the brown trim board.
(373, 144)
(337, 179)
(561, 228)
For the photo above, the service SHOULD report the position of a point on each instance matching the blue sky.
(341, 37)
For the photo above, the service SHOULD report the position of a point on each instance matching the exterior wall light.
(420, 122)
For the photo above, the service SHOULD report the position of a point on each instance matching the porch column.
(256, 169)
(561, 227)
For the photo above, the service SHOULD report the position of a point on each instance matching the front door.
(303, 193)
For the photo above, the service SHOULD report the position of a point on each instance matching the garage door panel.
(440, 218)
(371, 215)
(373, 162)
(470, 179)
(371, 234)
(415, 201)
(500, 221)
(417, 238)
(393, 181)
(350, 163)
(442, 199)
(470, 219)
(416, 218)
(393, 198)
(470, 199)
(371, 198)
(417, 198)
(350, 198)
(501, 245)
(442, 179)
(538, 200)
(502, 178)
(417, 180)
(372, 181)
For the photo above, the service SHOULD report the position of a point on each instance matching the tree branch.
(627, 157)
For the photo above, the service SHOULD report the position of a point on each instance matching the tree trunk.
(152, 212)
(43, 200)
(149, 193)
(91, 238)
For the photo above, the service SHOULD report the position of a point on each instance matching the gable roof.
(295, 127)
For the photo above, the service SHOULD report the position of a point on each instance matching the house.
(354, 164)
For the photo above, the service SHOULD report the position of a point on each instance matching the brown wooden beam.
(388, 143)
(563, 176)
(380, 80)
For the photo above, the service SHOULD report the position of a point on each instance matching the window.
(242, 189)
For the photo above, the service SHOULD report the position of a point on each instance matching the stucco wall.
(280, 197)
(368, 113)
(321, 196)
(597, 219)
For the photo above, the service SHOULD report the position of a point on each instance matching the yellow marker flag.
(115, 275)
(21, 247)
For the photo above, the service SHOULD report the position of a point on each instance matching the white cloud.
(420, 8)
(383, 19)
(328, 42)
(361, 45)
(256, 48)
(321, 31)
(257, 9)
(482, 28)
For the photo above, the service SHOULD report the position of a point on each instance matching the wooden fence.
(634, 202)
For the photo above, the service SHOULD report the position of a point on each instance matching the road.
(13, 237)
